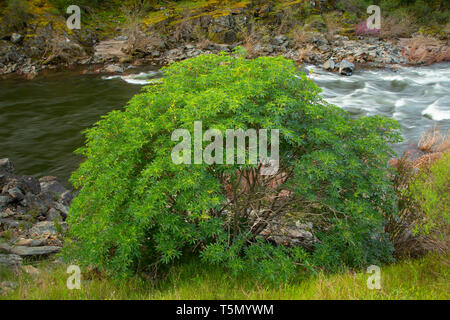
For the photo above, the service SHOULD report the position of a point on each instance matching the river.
(41, 120)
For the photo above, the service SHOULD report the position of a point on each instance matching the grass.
(425, 278)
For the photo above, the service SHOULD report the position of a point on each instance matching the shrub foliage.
(137, 210)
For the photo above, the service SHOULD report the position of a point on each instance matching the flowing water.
(41, 120)
(419, 98)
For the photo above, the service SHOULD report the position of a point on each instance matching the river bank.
(365, 53)
(176, 33)
(425, 278)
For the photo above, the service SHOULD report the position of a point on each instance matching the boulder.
(11, 261)
(6, 165)
(24, 251)
(67, 197)
(5, 248)
(47, 227)
(346, 67)
(16, 194)
(34, 204)
(290, 233)
(52, 186)
(53, 215)
(31, 242)
(329, 65)
(7, 224)
(63, 209)
(25, 184)
(4, 201)
(114, 68)
(30, 184)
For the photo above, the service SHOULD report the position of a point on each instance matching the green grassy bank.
(425, 278)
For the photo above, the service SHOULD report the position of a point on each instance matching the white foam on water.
(143, 78)
(437, 111)
(400, 103)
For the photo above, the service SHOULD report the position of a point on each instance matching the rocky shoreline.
(341, 55)
(171, 38)
(32, 216)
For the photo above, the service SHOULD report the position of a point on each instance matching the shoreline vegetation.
(118, 34)
(424, 278)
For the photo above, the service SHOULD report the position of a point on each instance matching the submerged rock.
(346, 67)
(114, 68)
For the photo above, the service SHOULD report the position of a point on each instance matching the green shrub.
(137, 210)
(430, 191)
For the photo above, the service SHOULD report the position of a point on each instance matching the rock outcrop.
(32, 215)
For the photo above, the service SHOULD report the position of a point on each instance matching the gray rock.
(43, 227)
(67, 197)
(4, 201)
(16, 38)
(24, 251)
(268, 48)
(346, 67)
(52, 186)
(329, 65)
(30, 184)
(290, 233)
(7, 224)
(114, 68)
(5, 248)
(53, 215)
(10, 261)
(6, 165)
(16, 194)
(34, 205)
(121, 38)
(31, 243)
(64, 209)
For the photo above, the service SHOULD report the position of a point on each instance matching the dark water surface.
(41, 120)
